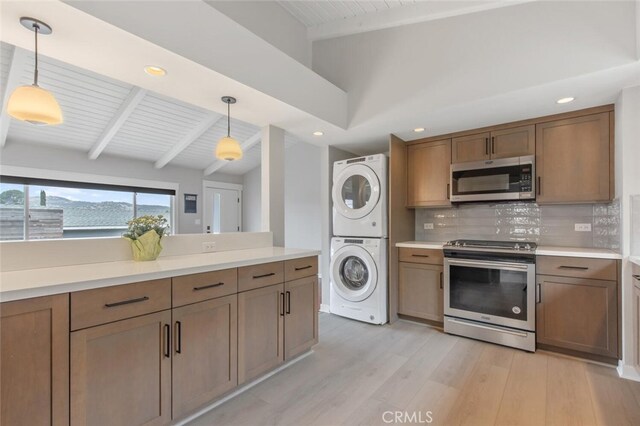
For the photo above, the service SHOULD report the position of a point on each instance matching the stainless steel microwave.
(494, 180)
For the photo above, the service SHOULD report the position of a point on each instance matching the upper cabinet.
(428, 169)
(574, 159)
(513, 142)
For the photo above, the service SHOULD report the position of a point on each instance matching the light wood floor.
(359, 371)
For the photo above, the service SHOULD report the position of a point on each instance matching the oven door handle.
(505, 266)
(488, 327)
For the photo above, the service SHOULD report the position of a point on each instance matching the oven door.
(494, 292)
(502, 179)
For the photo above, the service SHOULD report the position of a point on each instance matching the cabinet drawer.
(256, 276)
(418, 255)
(579, 267)
(300, 268)
(103, 305)
(208, 285)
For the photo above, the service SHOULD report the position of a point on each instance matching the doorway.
(222, 207)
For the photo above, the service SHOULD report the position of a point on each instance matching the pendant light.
(32, 103)
(228, 148)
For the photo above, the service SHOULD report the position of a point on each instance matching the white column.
(273, 182)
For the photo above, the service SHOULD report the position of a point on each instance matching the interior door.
(222, 210)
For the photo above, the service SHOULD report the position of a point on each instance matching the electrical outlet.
(428, 226)
(582, 227)
(208, 247)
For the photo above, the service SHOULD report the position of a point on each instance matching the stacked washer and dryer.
(359, 246)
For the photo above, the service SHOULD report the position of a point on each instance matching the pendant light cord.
(228, 119)
(36, 27)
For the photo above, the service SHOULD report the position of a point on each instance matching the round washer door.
(356, 191)
(353, 273)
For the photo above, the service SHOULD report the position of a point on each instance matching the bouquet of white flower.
(145, 233)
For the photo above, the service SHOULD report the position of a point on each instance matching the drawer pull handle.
(539, 185)
(637, 277)
(493, 144)
(282, 304)
(167, 341)
(204, 287)
(303, 267)
(420, 255)
(126, 302)
(288, 302)
(578, 268)
(270, 274)
(441, 280)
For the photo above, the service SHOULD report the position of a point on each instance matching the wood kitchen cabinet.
(575, 311)
(503, 143)
(574, 159)
(205, 345)
(301, 317)
(34, 361)
(121, 372)
(420, 283)
(428, 170)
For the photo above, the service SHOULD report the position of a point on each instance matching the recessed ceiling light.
(418, 129)
(155, 70)
(565, 100)
(318, 133)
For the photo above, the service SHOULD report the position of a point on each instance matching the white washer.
(359, 279)
(360, 197)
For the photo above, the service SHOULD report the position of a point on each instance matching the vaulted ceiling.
(313, 13)
(103, 115)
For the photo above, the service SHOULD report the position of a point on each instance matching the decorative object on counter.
(228, 148)
(145, 234)
(31, 103)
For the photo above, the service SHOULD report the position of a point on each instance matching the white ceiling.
(91, 101)
(314, 13)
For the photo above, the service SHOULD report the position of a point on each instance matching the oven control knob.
(527, 247)
(516, 246)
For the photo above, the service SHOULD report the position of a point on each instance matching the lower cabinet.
(578, 314)
(204, 349)
(121, 372)
(276, 323)
(260, 331)
(34, 361)
(420, 291)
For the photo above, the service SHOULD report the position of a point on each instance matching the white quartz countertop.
(15, 285)
(541, 250)
(421, 244)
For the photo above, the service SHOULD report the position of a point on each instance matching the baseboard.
(324, 308)
(238, 391)
(628, 372)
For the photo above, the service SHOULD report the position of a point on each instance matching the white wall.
(251, 200)
(189, 180)
(271, 22)
(302, 201)
(627, 183)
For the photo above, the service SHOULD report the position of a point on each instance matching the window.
(58, 209)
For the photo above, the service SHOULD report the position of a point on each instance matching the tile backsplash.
(520, 221)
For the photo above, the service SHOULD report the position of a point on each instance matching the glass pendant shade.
(35, 105)
(228, 149)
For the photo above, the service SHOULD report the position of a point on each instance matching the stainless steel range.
(490, 292)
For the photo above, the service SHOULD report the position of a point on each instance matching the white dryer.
(360, 197)
(359, 279)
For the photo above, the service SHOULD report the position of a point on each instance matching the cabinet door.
(573, 160)
(514, 142)
(428, 174)
(470, 148)
(420, 291)
(34, 361)
(578, 314)
(301, 316)
(121, 372)
(205, 347)
(260, 331)
(636, 325)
